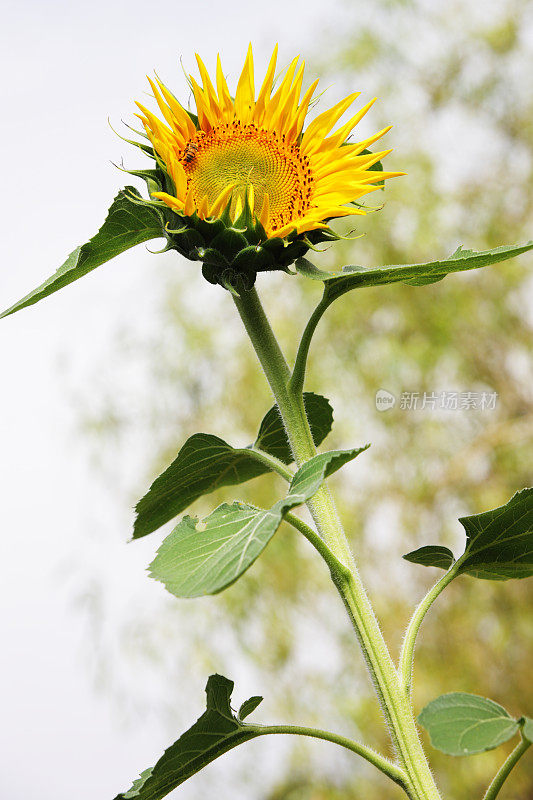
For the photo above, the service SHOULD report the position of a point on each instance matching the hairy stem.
(394, 700)
(298, 373)
(383, 764)
(271, 462)
(317, 542)
(291, 407)
(408, 647)
(503, 773)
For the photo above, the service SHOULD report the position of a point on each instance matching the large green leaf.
(214, 733)
(203, 464)
(192, 562)
(126, 225)
(499, 543)
(355, 277)
(206, 463)
(462, 724)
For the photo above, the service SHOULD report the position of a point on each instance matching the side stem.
(379, 761)
(408, 647)
(503, 773)
(300, 363)
(394, 701)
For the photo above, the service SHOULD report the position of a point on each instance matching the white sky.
(67, 66)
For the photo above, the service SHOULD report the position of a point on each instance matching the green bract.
(231, 253)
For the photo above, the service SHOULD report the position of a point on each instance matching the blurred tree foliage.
(454, 77)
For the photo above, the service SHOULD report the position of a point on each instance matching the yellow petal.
(203, 208)
(354, 165)
(283, 117)
(177, 173)
(172, 202)
(189, 205)
(339, 198)
(165, 110)
(336, 212)
(225, 101)
(209, 89)
(179, 112)
(339, 136)
(356, 148)
(298, 123)
(238, 208)
(281, 232)
(245, 94)
(155, 124)
(380, 176)
(222, 201)
(273, 103)
(250, 191)
(265, 211)
(320, 126)
(206, 118)
(266, 88)
(301, 225)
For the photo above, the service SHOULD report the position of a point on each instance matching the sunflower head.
(240, 185)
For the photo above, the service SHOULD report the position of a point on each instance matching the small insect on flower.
(243, 182)
(189, 154)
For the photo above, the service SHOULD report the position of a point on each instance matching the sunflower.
(247, 188)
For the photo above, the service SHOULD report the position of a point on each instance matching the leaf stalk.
(379, 761)
(408, 648)
(503, 773)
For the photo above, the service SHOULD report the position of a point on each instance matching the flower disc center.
(246, 156)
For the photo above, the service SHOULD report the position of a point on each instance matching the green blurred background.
(455, 80)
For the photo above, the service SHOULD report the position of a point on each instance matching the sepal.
(232, 252)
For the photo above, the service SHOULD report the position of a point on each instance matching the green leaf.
(461, 724)
(214, 733)
(431, 556)
(203, 464)
(355, 277)
(500, 542)
(308, 478)
(249, 706)
(206, 462)
(126, 225)
(192, 562)
(527, 728)
(272, 437)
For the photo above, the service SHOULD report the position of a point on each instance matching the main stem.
(394, 700)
